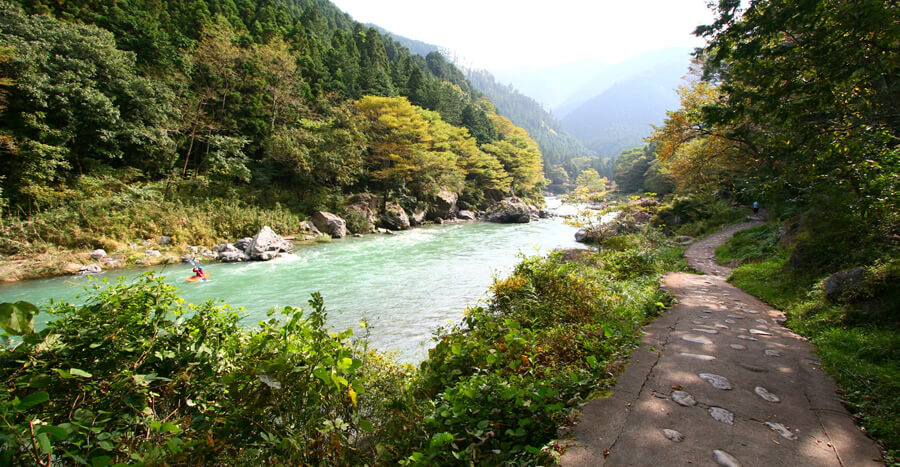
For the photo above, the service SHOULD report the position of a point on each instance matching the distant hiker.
(755, 208)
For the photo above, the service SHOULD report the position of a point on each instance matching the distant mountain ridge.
(556, 144)
(619, 118)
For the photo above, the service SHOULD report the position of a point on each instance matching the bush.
(133, 376)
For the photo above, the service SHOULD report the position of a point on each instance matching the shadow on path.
(719, 381)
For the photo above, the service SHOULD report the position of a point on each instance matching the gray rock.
(206, 253)
(310, 229)
(717, 381)
(697, 356)
(98, 254)
(417, 217)
(464, 206)
(243, 243)
(445, 205)
(510, 211)
(782, 430)
(229, 254)
(153, 253)
(395, 217)
(724, 459)
(673, 435)
(766, 395)
(193, 249)
(164, 240)
(697, 340)
(721, 415)
(266, 245)
(187, 258)
(330, 224)
(683, 398)
(89, 269)
(465, 215)
(358, 235)
(844, 283)
(738, 346)
(545, 214)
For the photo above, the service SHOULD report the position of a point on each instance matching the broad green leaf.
(18, 318)
(34, 399)
(78, 372)
(44, 443)
(58, 433)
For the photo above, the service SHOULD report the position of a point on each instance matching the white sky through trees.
(501, 34)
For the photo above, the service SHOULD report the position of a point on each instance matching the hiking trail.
(718, 380)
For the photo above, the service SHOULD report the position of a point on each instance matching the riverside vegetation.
(206, 120)
(175, 383)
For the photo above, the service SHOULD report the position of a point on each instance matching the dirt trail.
(719, 381)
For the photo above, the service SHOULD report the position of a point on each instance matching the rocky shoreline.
(379, 217)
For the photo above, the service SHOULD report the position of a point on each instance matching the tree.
(77, 103)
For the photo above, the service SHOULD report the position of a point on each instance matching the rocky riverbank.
(367, 213)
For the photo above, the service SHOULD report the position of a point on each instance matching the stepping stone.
(760, 332)
(697, 340)
(708, 331)
(782, 430)
(706, 311)
(697, 356)
(747, 310)
(704, 317)
(761, 321)
(721, 326)
(673, 435)
(721, 415)
(736, 316)
(738, 346)
(697, 322)
(765, 394)
(726, 460)
(773, 353)
(755, 369)
(730, 321)
(747, 338)
(717, 381)
(684, 398)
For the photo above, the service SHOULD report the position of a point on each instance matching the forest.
(278, 104)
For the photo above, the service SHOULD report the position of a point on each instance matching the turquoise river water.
(405, 285)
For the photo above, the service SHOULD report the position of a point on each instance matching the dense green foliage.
(638, 171)
(856, 336)
(258, 94)
(175, 383)
(220, 115)
(798, 109)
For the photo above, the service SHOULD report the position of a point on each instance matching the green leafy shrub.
(552, 335)
(134, 376)
(749, 245)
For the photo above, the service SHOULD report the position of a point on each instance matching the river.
(405, 285)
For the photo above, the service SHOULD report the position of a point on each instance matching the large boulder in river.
(243, 243)
(267, 245)
(229, 254)
(331, 224)
(445, 205)
(417, 216)
(465, 215)
(394, 217)
(510, 210)
(366, 206)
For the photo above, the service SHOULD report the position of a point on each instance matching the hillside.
(112, 110)
(620, 117)
(557, 146)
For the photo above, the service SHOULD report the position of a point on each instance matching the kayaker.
(198, 271)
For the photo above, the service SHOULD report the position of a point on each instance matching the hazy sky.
(501, 34)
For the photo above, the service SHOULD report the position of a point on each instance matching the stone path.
(719, 381)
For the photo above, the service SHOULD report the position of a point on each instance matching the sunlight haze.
(505, 34)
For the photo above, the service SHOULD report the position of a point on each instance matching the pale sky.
(502, 34)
